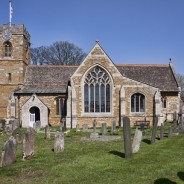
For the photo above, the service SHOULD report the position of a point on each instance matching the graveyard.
(98, 160)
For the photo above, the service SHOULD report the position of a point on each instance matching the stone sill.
(97, 115)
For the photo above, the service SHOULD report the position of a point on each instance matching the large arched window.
(137, 102)
(97, 93)
(7, 49)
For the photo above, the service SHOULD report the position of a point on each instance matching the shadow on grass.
(117, 153)
(164, 181)
(147, 141)
(181, 175)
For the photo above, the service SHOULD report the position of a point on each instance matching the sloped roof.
(54, 78)
(159, 76)
(47, 78)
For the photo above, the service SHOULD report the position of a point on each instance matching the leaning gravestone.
(9, 152)
(104, 128)
(59, 142)
(37, 126)
(127, 137)
(161, 131)
(28, 143)
(137, 141)
(154, 130)
(85, 127)
(47, 132)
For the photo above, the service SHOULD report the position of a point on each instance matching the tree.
(59, 53)
(180, 79)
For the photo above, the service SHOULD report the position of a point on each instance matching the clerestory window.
(7, 49)
(97, 93)
(137, 102)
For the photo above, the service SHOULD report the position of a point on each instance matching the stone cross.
(28, 143)
(170, 132)
(59, 142)
(47, 132)
(94, 126)
(9, 152)
(161, 131)
(137, 141)
(154, 130)
(127, 137)
(104, 128)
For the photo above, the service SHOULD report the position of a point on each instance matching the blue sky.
(130, 31)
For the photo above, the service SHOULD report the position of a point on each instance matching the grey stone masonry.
(127, 137)
(137, 141)
(28, 143)
(9, 152)
(154, 130)
(47, 132)
(59, 142)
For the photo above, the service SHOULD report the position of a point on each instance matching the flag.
(11, 11)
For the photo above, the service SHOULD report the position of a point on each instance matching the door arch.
(34, 115)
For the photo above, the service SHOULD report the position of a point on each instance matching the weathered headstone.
(59, 142)
(63, 124)
(127, 137)
(175, 127)
(161, 131)
(94, 134)
(37, 126)
(17, 135)
(9, 152)
(113, 127)
(77, 128)
(28, 143)
(47, 132)
(104, 128)
(170, 132)
(154, 130)
(137, 141)
(85, 127)
(8, 129)
(14, 124)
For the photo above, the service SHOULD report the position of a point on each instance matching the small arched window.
(7, 49)
(137, 102)
(97, 93)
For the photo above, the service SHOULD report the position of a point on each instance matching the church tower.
(14, 59)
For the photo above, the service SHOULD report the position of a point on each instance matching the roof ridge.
(67, 66)
(144, 65)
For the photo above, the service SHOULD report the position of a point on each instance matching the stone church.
(96, 89)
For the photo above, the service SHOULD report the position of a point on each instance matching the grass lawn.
(98, 162)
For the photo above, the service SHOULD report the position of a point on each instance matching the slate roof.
(54, 79)
(159, 76)
(47, 79)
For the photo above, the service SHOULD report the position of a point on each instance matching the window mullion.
(89, 98)
(94, 98)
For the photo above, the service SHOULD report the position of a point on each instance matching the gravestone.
(85, 127)
(37, 126)
(104, 128)
(77, 128)
(127, 137)
(8, 129)
(59, 142)
(154, 130)
(170, 132)
(9, 152)
(161, 131)
(14, 124)
(137, 141)
(94, 135)
(28, 143)
(175, 127)
(113, 127)
(17, 135)
(63, 124)
(47, 132)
